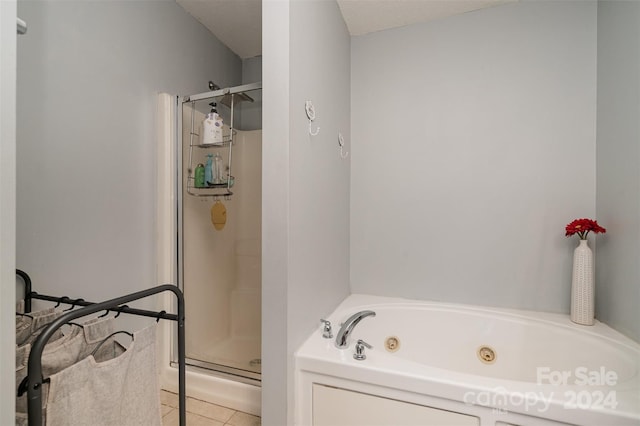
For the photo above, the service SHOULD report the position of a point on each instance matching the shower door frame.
(220, 370)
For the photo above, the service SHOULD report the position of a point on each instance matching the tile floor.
(200, 413)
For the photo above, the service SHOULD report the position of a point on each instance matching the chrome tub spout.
(342, 339)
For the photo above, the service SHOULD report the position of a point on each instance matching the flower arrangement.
(582, 227)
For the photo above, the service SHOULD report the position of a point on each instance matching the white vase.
(582, 286)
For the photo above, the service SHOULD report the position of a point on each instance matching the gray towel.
(66, 351)
(121, 391)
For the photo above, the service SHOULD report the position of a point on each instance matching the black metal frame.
(27, 289)
(35, 379)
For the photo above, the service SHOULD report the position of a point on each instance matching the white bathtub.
(546, 369)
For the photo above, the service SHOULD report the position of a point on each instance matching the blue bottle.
(208, 170)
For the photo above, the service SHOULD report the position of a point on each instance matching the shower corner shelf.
(206, 192)
(210, 190)
(226, 141)
(214, 190)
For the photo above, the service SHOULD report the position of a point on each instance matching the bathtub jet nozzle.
(342, 339)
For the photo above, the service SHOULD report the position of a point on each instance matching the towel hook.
(343, 154)
(120, 310)
(63, 299)
(75, 302)
(311, 115)
(160, 315)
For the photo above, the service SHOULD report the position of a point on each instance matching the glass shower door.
(220, 253)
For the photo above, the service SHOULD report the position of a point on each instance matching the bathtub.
(462, 364)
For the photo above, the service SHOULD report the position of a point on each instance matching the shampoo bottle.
(199, 176)
(208, 170)
(212, 127)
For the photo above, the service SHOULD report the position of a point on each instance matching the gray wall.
(473, 147)
(275, 213)
(251, 112)
(252, 70)
(618, 166)
(7, 207)
(89, 73)
(305, 185)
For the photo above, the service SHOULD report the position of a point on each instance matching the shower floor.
(242, 353)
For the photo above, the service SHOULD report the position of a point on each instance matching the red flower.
(582, 227)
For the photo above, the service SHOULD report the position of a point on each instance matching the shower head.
(239, 97)
(226, 99)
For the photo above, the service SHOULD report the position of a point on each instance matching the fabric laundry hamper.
(121, 391)
(29, 327)
(64, 352)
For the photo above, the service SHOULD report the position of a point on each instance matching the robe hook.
(311, 115)
(343, 154)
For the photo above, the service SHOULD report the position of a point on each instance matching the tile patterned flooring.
(200, 413)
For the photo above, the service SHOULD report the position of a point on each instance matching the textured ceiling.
(238, 23)
(367, 16)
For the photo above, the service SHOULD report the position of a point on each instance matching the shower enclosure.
(219, 233)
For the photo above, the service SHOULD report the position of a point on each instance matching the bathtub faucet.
(342, 339)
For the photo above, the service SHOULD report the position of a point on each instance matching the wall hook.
(311, 115)
(343, 154)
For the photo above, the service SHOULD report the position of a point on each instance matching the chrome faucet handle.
(326, 329)
(360, 345)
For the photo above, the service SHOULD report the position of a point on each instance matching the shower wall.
(222, 268)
